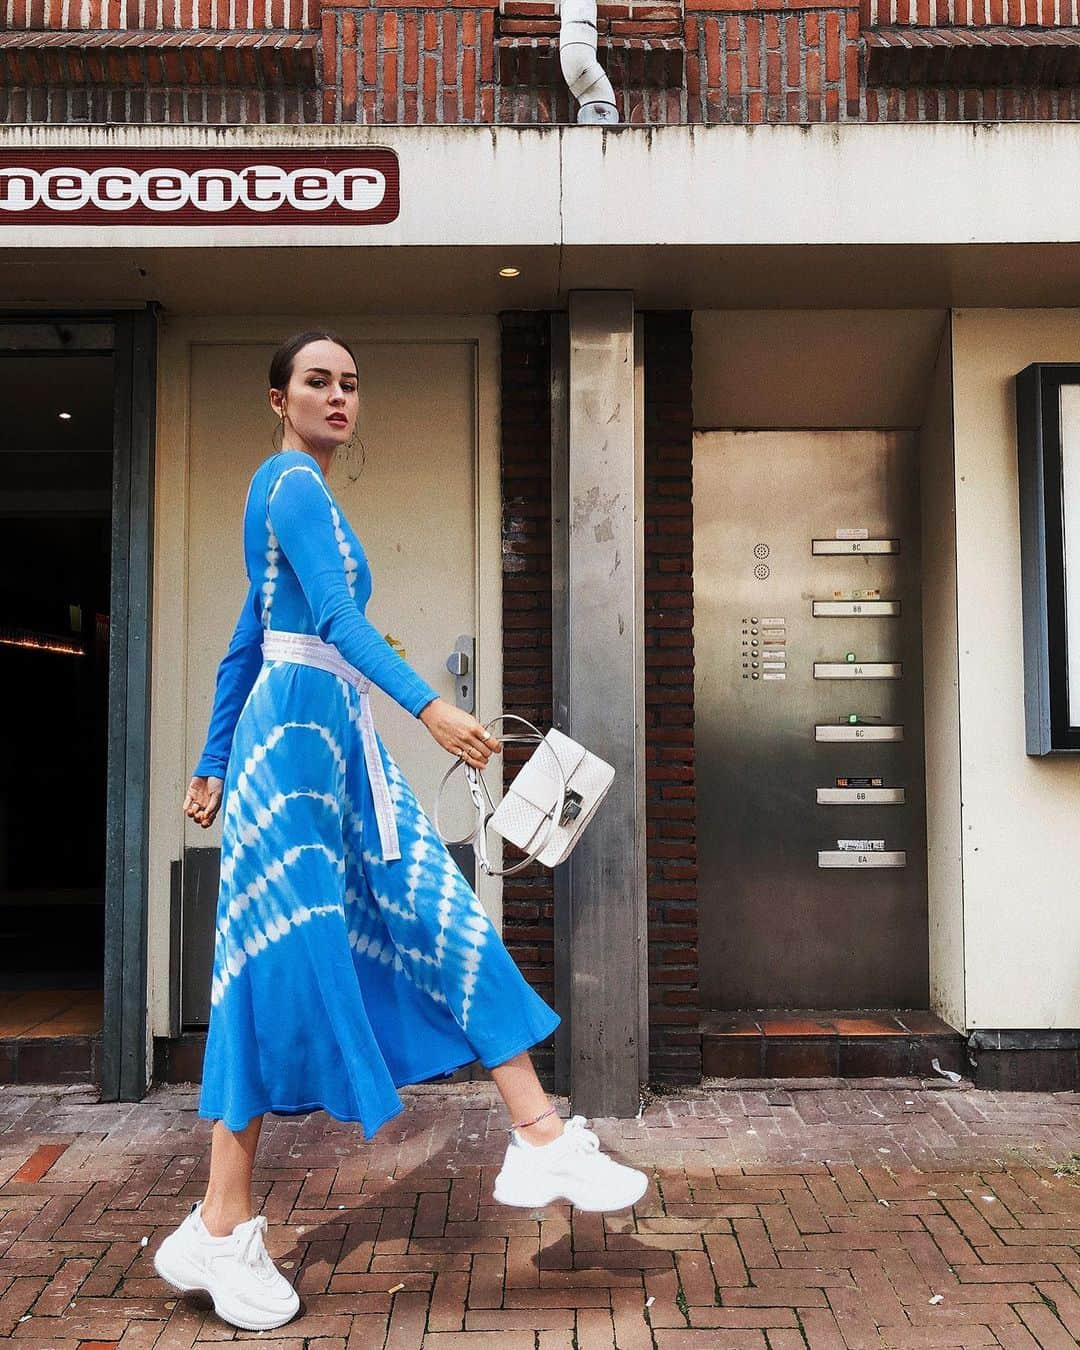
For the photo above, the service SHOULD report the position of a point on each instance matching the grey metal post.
(599, 689)
(560, 661)
(125, 1068)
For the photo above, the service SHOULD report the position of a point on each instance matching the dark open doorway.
(55, 528)
(75, 528)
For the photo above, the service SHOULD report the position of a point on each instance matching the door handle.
(460, 664)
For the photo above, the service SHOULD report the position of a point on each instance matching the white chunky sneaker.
(573, 1168)
(236, 1271)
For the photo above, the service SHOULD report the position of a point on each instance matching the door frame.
(131, 337)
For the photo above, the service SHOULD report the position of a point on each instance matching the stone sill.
(973, 57)
(156, 58)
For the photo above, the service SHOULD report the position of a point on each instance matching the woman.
(351, 957)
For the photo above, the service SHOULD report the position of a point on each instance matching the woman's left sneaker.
(236, 1271)
(572, 1167)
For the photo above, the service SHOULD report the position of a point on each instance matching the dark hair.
(281, 363)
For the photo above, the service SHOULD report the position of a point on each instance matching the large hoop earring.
(348, 460)
(279, 431)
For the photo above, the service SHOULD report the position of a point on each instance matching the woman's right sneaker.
(236, 1271)
(573, 1168)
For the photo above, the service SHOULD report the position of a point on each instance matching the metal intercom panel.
(809, 736)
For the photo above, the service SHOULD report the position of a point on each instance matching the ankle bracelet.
(524, 1124)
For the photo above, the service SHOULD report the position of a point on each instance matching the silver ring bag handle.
(485, 807)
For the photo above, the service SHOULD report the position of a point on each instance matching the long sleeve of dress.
(305, 521)
(236, 674)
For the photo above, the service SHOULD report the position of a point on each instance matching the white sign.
(259, 187)
(129, 186)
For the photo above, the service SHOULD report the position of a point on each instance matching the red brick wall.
(528, 923)
(965, 13)
(674, 1011)
(167, 61)
(418, 64)
(482, 61)
(472, 61)
(528, 929)
(702, 61)
(719, 61)
(778, 63)
(157, 14)
(953, 103)
(146, 89)
(955, 82)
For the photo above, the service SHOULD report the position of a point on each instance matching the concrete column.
(598, 624)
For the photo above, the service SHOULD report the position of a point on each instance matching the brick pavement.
(822, 1215)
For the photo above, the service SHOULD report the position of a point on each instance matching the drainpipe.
(581, 70)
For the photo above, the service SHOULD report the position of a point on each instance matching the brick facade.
(528, 924)
(183, 62)
(671, 849)
(528, 903)
(415, 64)
(970, 60)
(223, 16)
(484, 62)
(715, 62)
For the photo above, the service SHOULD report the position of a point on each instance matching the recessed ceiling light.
(64, 417)
(509, 272)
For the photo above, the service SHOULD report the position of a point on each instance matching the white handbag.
(545, 809)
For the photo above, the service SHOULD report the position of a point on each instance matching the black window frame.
(1043, 558)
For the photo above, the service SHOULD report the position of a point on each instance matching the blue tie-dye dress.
(339, 974)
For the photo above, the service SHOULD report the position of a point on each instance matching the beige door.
(413, 506)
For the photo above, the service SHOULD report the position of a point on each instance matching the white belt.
(305, 649)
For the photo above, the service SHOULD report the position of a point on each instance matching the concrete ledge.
(778, 1044)
(1026, 1061)
(895, 183)
(179, 1059)
(50, 1059)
